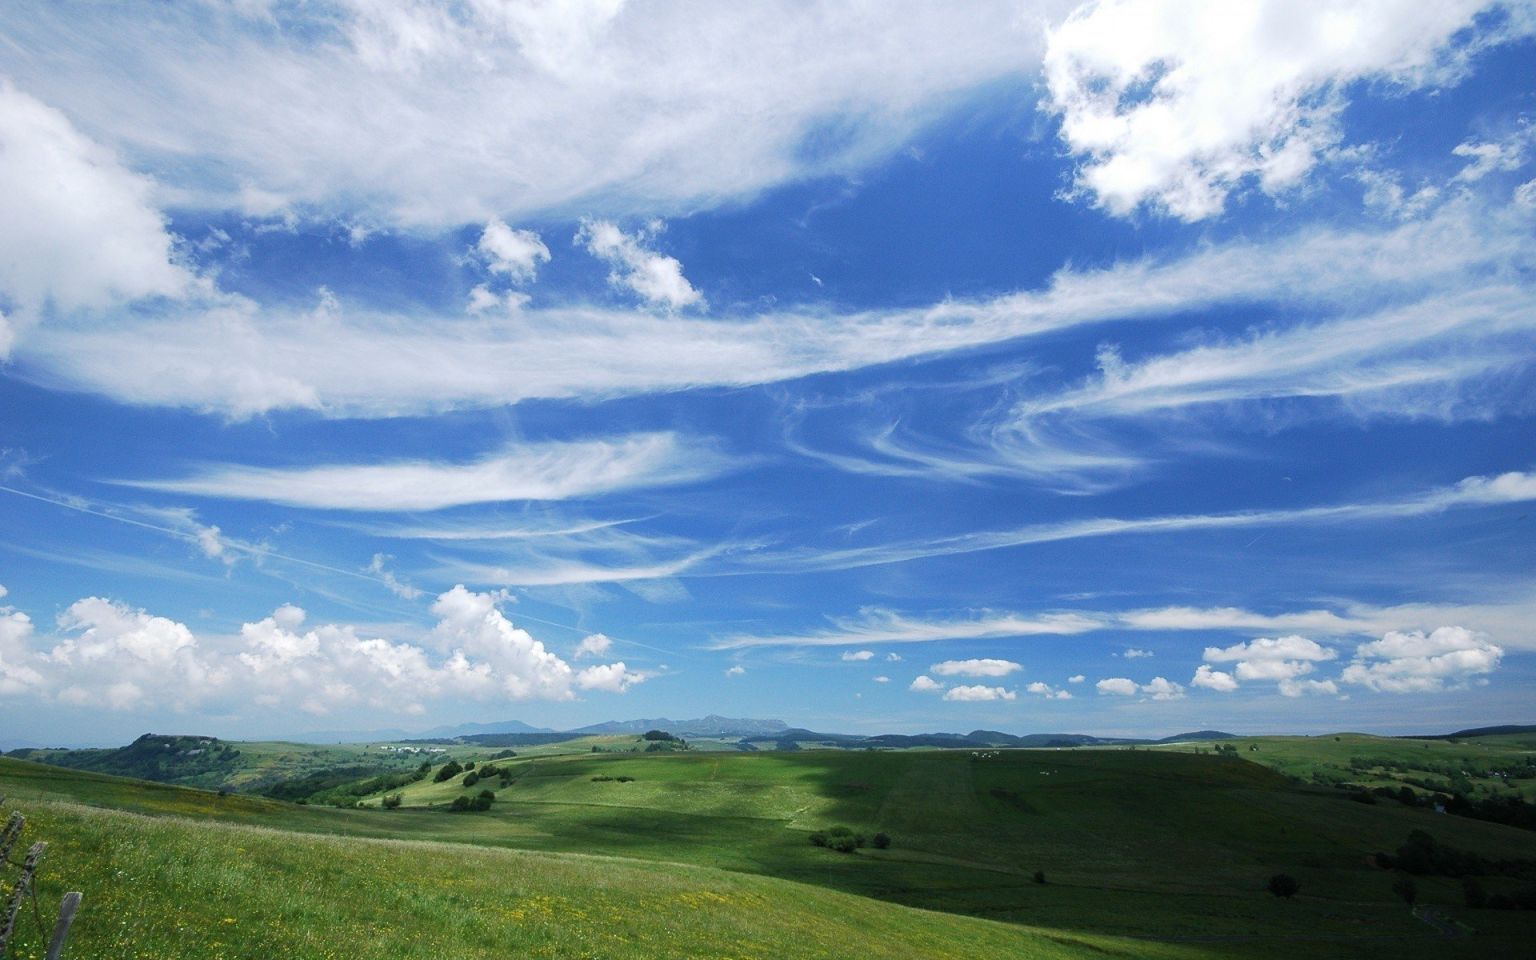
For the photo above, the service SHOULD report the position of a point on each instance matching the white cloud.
(1161, 688)
(1177, 106)
(519, 471)
(609, 677)
(1493, 156)
(593, 645)
(925, 684)
(1117, 686)
(515, 254)
(117, 657)
(1076, 678)
(1041, 689)
(975, 668)
(233, 356)
(875, 625)
(882, 679)
(858, 655)
(513, 108)
(889, 658)
(1133, 653)
(1301, 688)
(1271, 649)
(1416, 662)
(81, 230)
(387, 577)
(1213, 679)
(978, 693)
(654, 277)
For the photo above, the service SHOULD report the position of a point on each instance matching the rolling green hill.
(1169, 848)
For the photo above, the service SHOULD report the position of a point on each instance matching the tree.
(392, 800)
(1040, 876)
(1405, 888)
(471, 778)
(450, 769)
(882, 841)
(1284, 885)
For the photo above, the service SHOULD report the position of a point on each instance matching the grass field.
(1167, 847)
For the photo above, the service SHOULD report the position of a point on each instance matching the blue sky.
(1112, 367)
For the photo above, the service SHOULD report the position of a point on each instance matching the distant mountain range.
(976, 738)
(710, 726)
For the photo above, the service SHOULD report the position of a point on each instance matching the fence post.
(8, 835)
(18, 894)
(61, 928)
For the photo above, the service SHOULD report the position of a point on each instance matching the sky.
(1122, 368)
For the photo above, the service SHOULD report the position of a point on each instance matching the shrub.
(1283, 885)
(1405, 888)
(882, 841)
(602, 778)
(471, 778)
(504, 755)
(843, 844)
(1040, 876)
(393, 800)
(450, 770)
(460, 804)
(658, 735)
(819, 838)
(625, 779)
(470, 765)
(1474, 894)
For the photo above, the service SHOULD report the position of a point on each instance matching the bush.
(471, 778)
(1284, 885)
(470, 765)
(658, 735)
(1040, 876)
(882, 841)
(625, 779)
(450, 770)
(1405, 888)
(393, 800)
(819, 838)
(1474, 894)
(460, 804)
(602, 778)
(843, 844)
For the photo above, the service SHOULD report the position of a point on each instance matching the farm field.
(1170, 849)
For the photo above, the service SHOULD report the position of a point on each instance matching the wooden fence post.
(61, 928)
(18, 894)
(10, 833)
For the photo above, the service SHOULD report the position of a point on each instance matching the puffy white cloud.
(81, 230)
(1213, 679)
(1133, 653)
(609, 677)
(515, 254)
(1076, 678)
(1158, 688)
(1161, 688)
(925, 684)
(1178, 105)
(858, 655)
(1416, 662)
(1494, 156)
(1270, 649)
(1041, 689)
(1301, 688)
(594, 645)
(978, 693)
(123, 658)
(1117, 687)
(889, 658)
(520, 471)
(975, 668)
(736, 671)
(656, 278)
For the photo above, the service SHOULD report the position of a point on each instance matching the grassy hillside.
(1171, 848)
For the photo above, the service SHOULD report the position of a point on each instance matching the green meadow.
(1144, 853)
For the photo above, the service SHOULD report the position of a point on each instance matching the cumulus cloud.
(1117, 687)
(1301, 688)
(519, 471)
(593, 645)
(1158, 688)
(889, 658)
(925, 684)
(515, 254)
(858, 655)
(978, 693)
(1416, 662)
(1041, 689)
(736, 671)
(81, 229)
(654, 277)
(975, 668)
(1178, 106)
(1211, 679)
(113, 656)
(1133, 653)
(1076, 678)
